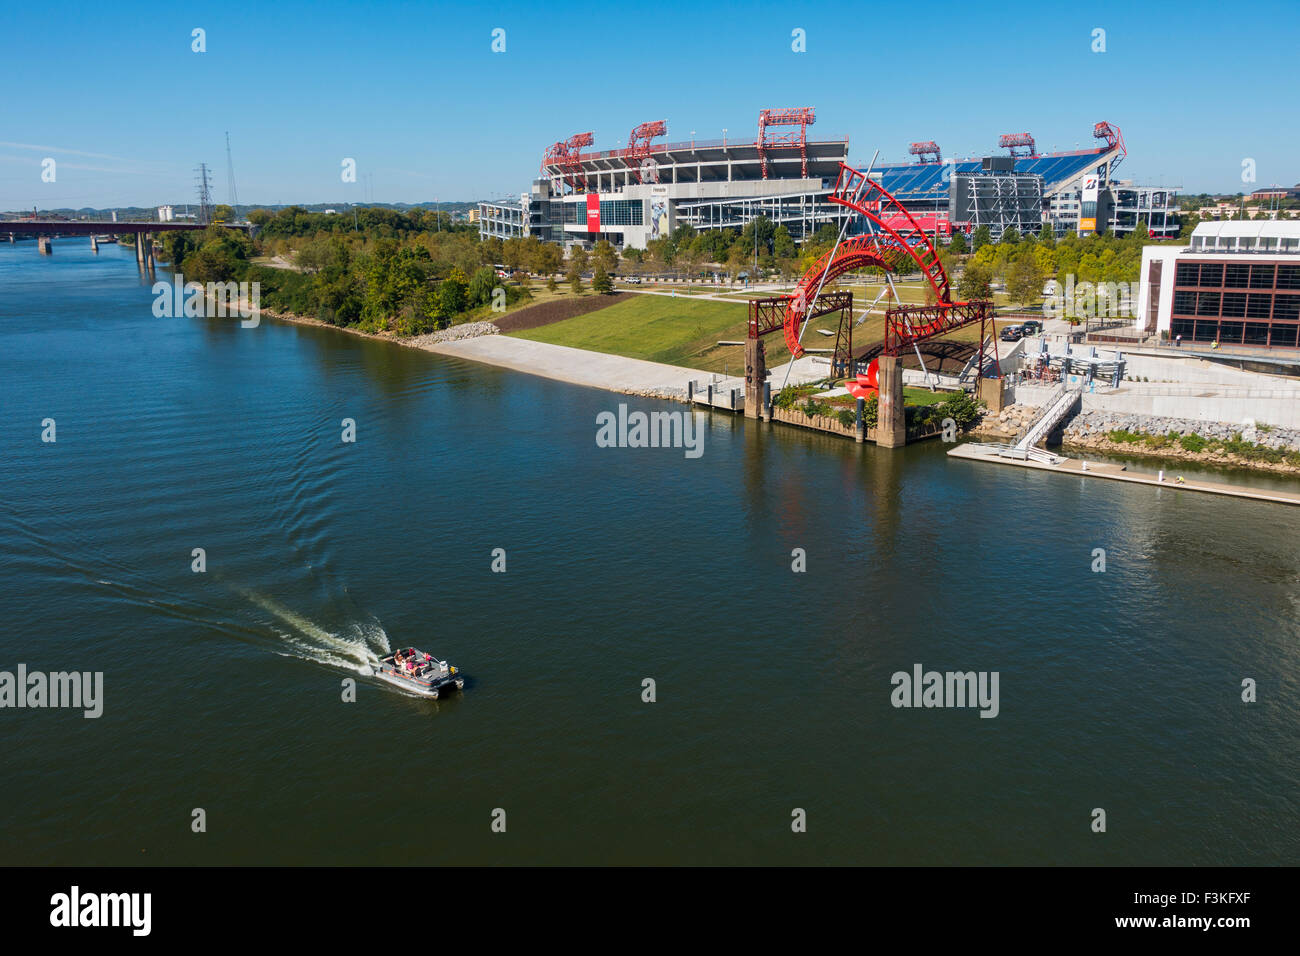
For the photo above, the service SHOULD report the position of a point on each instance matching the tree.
(1024, 279)
(575, 279)
(783, 246)
(600, 281)
(453, 295)
(738, 259)
(975, 281)
(1010, 236)
(979, 238)
(578, 259)
(1047, 234)
(550, 257)
(605, 255)
(958, 245)
(223, 213)
(765, 231)
(315, 254)
(551, 284)
(481, 285)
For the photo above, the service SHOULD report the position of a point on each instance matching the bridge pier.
(989, 390)
(94, 244)
(755, 378)
(144, 250)
(891, 421)
(44, 245)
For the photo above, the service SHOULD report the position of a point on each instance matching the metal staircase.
(1062, 403)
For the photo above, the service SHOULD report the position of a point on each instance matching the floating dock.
(998, 454)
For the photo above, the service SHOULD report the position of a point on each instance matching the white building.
(1235, 283)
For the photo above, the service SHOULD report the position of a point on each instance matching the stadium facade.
(634, 195)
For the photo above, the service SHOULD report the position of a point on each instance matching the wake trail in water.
(359, 648)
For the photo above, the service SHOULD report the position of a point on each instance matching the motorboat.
(417, 672)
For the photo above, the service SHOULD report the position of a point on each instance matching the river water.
(224, 690)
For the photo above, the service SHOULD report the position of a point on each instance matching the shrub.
(1123, 436)
(961, 408)
(1193, 442)
(848, 418)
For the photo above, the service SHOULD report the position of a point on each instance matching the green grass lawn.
(685, 331)
(682, 331)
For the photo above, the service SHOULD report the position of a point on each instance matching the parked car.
(1012, 333)
(1032, 327)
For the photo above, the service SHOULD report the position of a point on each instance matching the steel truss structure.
(638, 145)
(567, 155)
(999, 201)
(895, 236)
(802, 117)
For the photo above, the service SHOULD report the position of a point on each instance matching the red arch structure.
(897, 236)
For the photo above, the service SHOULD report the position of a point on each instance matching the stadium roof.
(926, 182)
(1263, 228)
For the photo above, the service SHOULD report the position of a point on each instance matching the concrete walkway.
(697, 296)
(1092, 469)
(615, 373)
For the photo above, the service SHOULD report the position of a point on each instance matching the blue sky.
(414, 93)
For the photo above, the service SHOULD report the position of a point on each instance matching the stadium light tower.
(802, 117)
(1018, 141)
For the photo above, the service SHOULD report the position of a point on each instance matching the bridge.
(47, 229)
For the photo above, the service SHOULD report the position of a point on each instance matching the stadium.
(639, 193)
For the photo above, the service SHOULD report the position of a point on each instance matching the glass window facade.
(1207, 306)
(621, 212)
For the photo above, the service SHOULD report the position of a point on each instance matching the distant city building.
(1276, 192)
(1235, 283)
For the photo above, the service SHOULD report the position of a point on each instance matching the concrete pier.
(990, 391)
(755, 377)
(44, 245)
(94, 244)
(891, 423)
(973, 451)
(144, 250)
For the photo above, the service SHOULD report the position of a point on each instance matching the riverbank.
(1217, 444)
(482, 342)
